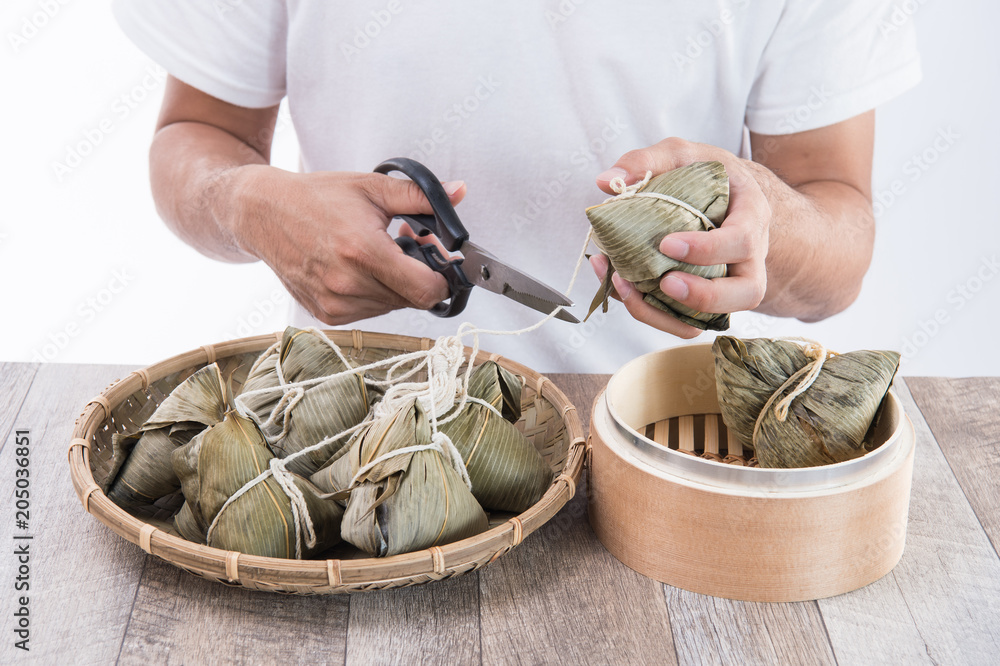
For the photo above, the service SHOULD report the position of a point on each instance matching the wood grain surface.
(557, 598)
(964, 415)
(82, 577)
(708, 630)
(940, 604)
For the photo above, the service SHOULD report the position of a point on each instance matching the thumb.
(632, 166)
(395, 196)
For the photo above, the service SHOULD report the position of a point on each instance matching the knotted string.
(818, 353)
(441, 393)
(623, 191)
(813, 350)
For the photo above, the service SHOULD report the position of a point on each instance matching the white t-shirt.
(527, 102)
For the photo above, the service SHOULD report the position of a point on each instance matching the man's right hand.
(323, 234)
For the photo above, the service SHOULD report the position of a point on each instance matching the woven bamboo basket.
(673, 496)
(549, 421)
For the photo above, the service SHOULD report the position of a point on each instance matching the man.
(525, 101)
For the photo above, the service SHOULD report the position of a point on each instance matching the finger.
(731, 243)
(720, 295)
(337, 310)
(599, 263)
(647, 314)
(411, 279)
(664, 156)
(394, 196)
(406, 230)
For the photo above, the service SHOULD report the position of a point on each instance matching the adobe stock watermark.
(756, 325)
(365, 34)
(583, 157)
(563, 10)
(77, 150)
(579, 335)
(252, 323)
(454, 116)
(958, 298)
(698, 43)
(900, 14)
(34, 22)
(914, 169)
(86, 312)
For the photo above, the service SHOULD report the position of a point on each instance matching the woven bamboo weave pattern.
(549, 421)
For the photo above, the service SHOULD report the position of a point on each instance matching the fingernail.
(452, 186)
(674, 248)
(623, 287)
(612, 173)
(674, 287)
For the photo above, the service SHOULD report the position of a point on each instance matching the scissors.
(477, 267)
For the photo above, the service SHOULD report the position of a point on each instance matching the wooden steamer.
(728, 530)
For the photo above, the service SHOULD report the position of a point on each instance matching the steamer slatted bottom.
(673, 497)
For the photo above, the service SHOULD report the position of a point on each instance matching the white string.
(818, 353)
(623, 191)
(278, 465)
(440, 442)
(443, 392)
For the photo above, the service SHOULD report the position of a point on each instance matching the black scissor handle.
(451, 270)
(444, 223)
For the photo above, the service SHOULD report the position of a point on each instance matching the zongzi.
(629, 228)
(216, 465)
(311, 413)
(773, 399)
(506, 471)
(141, 471)
(405, 502)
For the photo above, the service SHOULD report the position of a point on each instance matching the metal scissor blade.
(486, 271)
(539, 304)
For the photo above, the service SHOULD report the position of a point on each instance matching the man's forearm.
(820, 245)
(195, 174)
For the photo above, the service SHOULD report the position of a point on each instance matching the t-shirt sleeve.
(830, 60)
(231, 49)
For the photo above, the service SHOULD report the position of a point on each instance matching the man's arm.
(323, 234)
(797, 238)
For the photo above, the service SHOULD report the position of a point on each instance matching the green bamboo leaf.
(141, 469)
(201, 398)
(145, 474)
(498, 386)
(506, 471)
(325, 409)
(629, 232)
(261, 521)
(826, 424)
(217, 464)
(747, 373)
(406, 502)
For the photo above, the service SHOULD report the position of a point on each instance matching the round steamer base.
(727, 530)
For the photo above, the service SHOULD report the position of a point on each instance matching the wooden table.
(558, 598)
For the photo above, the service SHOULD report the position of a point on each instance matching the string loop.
(442, 397)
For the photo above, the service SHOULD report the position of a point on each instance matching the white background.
(90, 275)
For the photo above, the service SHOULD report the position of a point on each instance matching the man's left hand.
(741, 242)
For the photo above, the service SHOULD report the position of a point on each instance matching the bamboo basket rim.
(322, 576)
